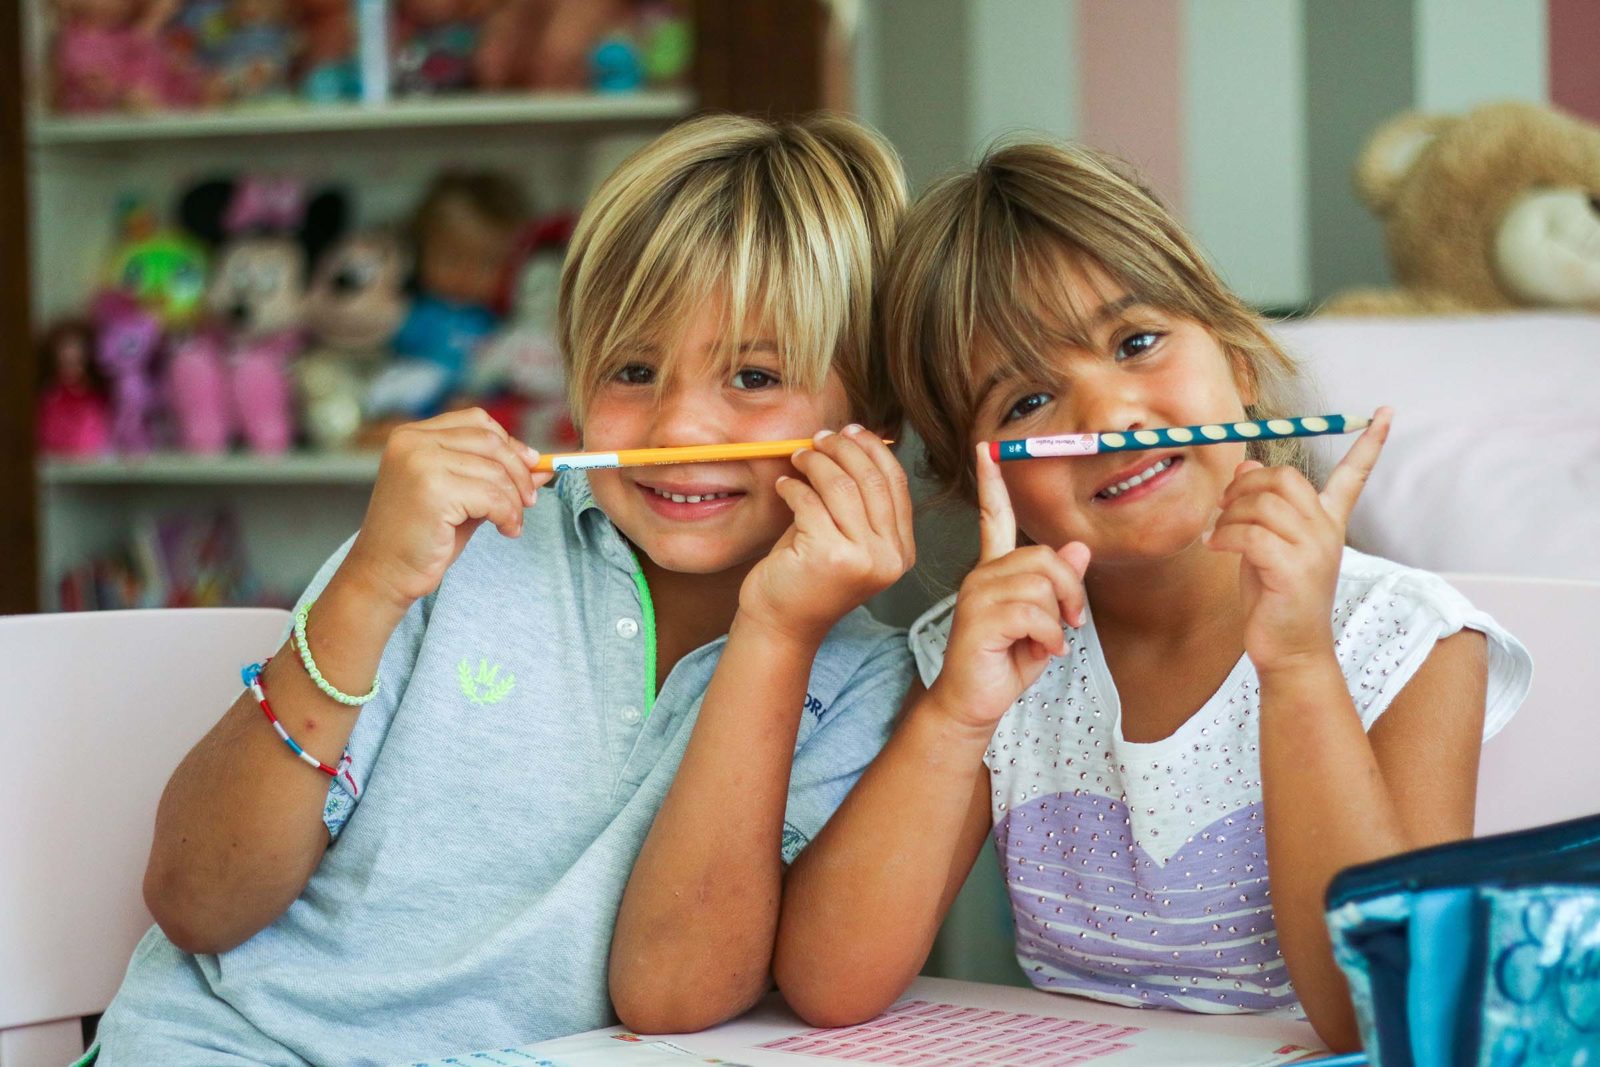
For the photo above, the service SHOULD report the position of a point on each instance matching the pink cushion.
(1493, 465)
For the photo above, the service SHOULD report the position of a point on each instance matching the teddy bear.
(1493, 210)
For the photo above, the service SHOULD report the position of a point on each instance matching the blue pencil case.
(1480, 953)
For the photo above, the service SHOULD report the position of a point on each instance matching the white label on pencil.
(1066, 444)
(579, 461)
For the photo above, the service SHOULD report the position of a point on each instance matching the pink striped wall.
(1130, 68)
(1575, 56)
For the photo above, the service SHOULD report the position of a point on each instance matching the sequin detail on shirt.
(1137, 872)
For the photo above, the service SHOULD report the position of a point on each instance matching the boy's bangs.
(763, 294)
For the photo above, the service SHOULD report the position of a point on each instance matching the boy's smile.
(686, 500)
(704, 518)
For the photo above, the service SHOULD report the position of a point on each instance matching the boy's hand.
(1008, 612)
(438, 481)
(850, 540)
(1290, 540)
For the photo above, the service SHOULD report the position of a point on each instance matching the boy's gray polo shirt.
(509, 773)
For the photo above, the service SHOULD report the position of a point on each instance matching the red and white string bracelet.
(341, 773)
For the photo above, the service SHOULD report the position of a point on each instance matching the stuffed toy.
(325, 66)
(128, 342)
(437, 41)
(111, 55)
(74, 418)
(464, 232)
(356, 302)
(236, 372)
(163, 269)
(1493, 210)
(666, 42)
(546, 44)
(253, 62)
(518, 374)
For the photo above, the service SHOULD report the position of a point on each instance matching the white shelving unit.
(294, 509)
(176, 468)
(521, 111)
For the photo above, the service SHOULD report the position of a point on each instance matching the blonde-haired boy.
(575, 776)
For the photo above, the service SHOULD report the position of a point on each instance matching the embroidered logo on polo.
(486, 686)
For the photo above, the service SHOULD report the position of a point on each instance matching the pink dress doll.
(74, 418)
(109, 55)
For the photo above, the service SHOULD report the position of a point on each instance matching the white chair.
(1541, 767)
(96, 709)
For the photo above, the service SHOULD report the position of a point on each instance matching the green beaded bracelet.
(322, 683)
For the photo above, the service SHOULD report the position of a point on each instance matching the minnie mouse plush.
(235, 373)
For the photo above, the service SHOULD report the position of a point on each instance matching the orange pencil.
(655, 457)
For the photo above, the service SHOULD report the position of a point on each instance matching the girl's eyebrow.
(1107, 312)
(1113, 308)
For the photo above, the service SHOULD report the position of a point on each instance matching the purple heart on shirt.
(1095, 913)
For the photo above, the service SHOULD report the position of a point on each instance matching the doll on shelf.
(325, 65)
(518, 375)
(546, 44)
(74, 417)
(436, 44)
(255, 57)
(465, 231)
(110, 55)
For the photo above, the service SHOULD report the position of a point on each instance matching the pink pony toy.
(129, 341)
(234, 375)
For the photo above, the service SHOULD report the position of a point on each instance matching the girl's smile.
(1139, 481)
(1135, 367)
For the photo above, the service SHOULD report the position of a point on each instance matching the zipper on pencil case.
(1562, 852)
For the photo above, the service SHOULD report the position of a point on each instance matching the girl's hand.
(1008, 612)
(438, 481)
(850, 540)
(1290, 540)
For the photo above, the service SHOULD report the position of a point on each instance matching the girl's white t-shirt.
(1138, 871)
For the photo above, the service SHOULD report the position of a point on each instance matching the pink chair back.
(96, 709)
(1542, 767)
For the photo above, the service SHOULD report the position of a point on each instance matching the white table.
(1167, 1037)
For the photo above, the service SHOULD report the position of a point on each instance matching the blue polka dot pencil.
(1211, 433)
